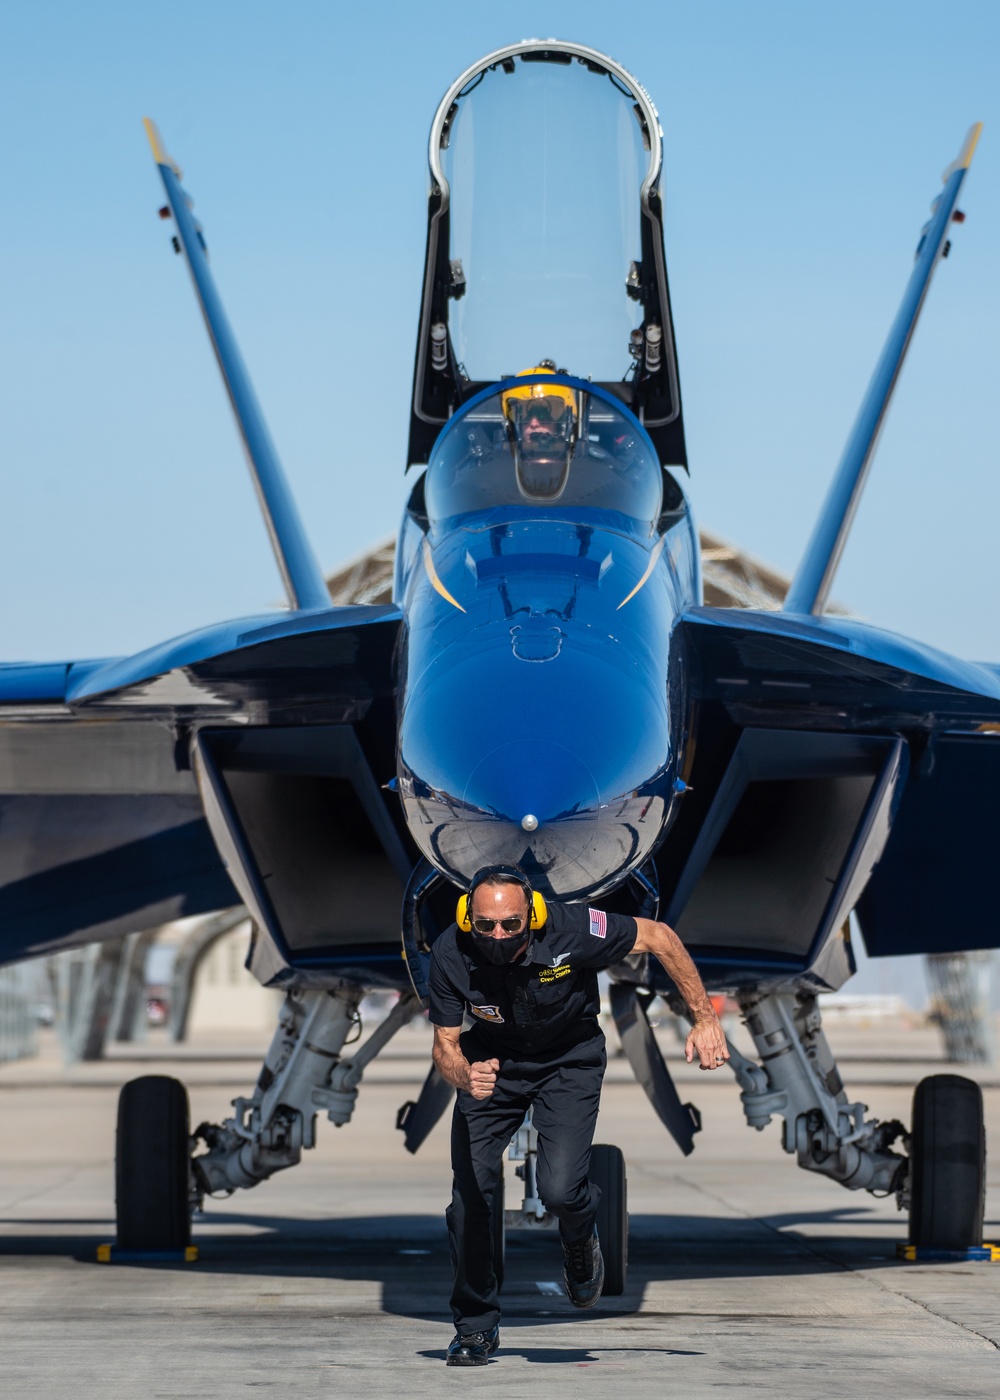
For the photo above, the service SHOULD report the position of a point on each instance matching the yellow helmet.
(557, 397)
(541, 424)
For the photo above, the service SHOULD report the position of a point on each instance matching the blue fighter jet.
(547, 688)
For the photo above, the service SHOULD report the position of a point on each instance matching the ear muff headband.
(537, 917)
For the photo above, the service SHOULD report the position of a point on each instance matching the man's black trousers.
(563, 1089)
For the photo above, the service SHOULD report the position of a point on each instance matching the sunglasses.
(488, 925)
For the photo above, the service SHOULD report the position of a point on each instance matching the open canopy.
(545, 162)
(545, 238)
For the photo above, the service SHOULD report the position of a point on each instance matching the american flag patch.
(598, 922)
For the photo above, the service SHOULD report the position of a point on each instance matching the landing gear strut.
(798, 1079)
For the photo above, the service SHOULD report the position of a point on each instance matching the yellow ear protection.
(538, 910)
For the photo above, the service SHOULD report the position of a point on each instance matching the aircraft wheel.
(151, 1165)
(607, 1171)
(947, 1163)
(499, 1231)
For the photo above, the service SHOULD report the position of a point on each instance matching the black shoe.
(584, 1272)
(475, 1349)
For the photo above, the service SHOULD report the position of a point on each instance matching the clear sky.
(803, 144)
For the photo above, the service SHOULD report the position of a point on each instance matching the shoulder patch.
(487, 1013)
(598, 922)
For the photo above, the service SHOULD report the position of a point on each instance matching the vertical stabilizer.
(300, 572)
(814, 577)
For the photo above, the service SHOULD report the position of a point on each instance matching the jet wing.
(831, 766)
(103, 829)
(102, 814)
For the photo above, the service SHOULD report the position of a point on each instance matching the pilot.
(542, 428)
(525, 974)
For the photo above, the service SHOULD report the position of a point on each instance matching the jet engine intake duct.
(309, 842)
(796, 826)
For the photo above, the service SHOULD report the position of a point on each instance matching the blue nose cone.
(559, 764)
(547, 799)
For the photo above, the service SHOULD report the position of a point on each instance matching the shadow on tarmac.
(575, 1356)
(408, 1255)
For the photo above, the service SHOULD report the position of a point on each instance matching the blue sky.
(803, 144)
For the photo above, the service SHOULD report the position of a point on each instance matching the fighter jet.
(547, 688)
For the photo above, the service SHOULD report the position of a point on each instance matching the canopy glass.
(516, 447)
(545, 160)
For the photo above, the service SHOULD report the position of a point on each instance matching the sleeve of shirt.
(606, 938)
(447, 1009)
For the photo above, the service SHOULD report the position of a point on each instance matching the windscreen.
(545, 161)
(502, 451)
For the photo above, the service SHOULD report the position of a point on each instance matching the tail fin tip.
(964, 158)
(159, 150)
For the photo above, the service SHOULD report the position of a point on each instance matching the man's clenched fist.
(482, 1077)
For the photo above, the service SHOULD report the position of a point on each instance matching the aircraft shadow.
(408, 1255)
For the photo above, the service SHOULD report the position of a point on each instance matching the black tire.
(607, 1171)
(947, 1164)
(151, 1165)
(498, 1231)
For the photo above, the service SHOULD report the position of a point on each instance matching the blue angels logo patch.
(487, 1013)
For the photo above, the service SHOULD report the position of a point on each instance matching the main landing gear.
(941, 1182)
(158, 1182)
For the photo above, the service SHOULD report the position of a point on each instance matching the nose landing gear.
(607, 1172)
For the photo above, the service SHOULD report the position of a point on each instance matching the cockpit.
(544, 440)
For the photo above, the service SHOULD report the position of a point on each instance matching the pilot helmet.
(541, 422)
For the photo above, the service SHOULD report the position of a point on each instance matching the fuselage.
(539, 711)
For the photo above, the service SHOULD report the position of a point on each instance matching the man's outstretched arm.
(707, 1039)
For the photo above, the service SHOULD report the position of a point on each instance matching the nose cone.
(561, 768)
(538, 782)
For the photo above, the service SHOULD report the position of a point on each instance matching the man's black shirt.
(547, 997)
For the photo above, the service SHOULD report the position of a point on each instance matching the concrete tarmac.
(746, 1275)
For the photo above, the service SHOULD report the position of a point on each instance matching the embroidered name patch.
(598, 922)
(552, 974)
(487, 1013)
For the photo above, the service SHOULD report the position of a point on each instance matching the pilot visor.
(547, 408)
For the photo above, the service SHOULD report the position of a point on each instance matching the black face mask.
(499, 951)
